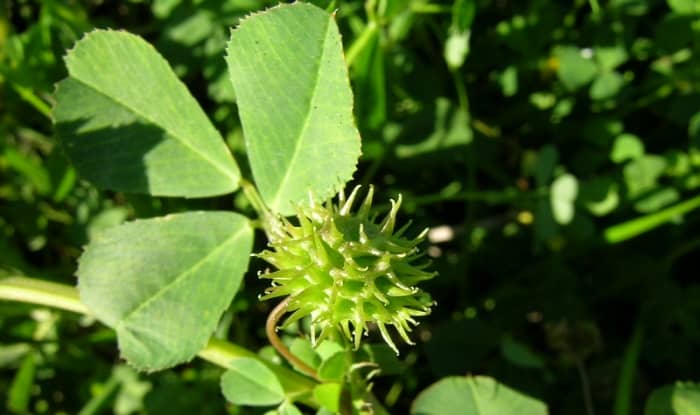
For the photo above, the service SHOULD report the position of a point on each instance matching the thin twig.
(585, 386)
(271, 331)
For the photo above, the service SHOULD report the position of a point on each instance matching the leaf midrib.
(235, 236)
(472, 392)
(305, 124)
(179, 139)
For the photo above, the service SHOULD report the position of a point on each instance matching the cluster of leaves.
(547, 145)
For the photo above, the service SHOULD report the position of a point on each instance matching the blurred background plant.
(553, 148)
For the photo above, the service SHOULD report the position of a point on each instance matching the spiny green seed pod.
(347, 270)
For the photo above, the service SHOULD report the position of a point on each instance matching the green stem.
(30, 97)
(99, 402)
(635, 227)
(625, 382)
(462, 96)
(595, 7)
(423, 8)
(30, 290)
(360, 43)
(585, 387)
(251, 193)
(219, 352)
(470, 162)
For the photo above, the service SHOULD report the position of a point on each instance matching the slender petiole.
(271, 331)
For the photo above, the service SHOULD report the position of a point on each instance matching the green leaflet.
(681, 398)
(335, 367)
(328, 395)
(562, 196)
(295, 103)
(478, 395)
(249, 382)
(129, 124)
(574, 69)
(163, 283)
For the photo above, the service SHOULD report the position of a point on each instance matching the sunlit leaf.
(250, 382)
(478, 395)
(563, 193)
(328, 395)
(335, 367)
(574, 68)
(295, 103)
(690, 7)
(606, 85)
(163, 283)
(679, 399)
(626, 147)
(641, 174)
(128, 123)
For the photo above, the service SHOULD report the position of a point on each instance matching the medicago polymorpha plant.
(343, 274)
(345, 268)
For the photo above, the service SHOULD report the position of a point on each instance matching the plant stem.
(595, 7)
(251, 193)
(469, 208)
(30, 290)
(30, 97)
(219, 352)
(360, 43)
(625, 382)
(462, 96)
(635, 227)
(98, 402)
(422, 8)
(271, 331)
(585, 387)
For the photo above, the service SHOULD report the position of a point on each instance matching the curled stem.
(271, 331)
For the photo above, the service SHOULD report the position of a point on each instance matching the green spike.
(320, 250)
(366, 204)
(345, 325)
(362, 234)
(387, 337)
(296, 316)
(325, 333)
(396, 291)
(359, 330)
(396, 281)
(347, 206)
(280, 275)
(402, 332)
(379, 296)
(387, 226)
(421, 236)
(278, 292)
(403, 229)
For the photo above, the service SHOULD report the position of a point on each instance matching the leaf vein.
(235, 236)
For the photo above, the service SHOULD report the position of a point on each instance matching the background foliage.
(521, 132)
